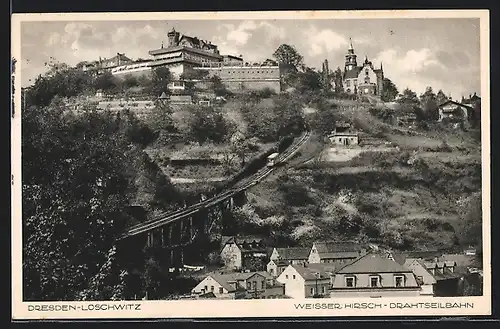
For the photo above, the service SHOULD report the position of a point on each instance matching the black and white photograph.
(327, 164)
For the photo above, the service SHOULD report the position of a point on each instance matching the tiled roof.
(446, 275)
(339, 255)
(240, 239)
(372, 262)
(456, 103)
(324, 247)
(352, 74)
(225, 279)
(293, 253)
(316, 271)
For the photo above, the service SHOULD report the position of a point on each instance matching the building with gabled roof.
(243, 252)
(295, 255)
(454, 112)
(364, 79)
(374, 275)
(236, 285)
(282, 257)
(335, 252)
(437, 277)
(308, 280)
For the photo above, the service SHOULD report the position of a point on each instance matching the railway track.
(237, 188)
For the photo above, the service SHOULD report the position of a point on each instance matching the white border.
(248, 308)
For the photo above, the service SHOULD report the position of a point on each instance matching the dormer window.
(399, 281)
(374, 281)
(350, 281)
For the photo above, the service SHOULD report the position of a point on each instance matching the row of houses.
(330, 269)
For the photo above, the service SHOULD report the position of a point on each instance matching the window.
(293, 276)
(211, 288)
(420, 280)
(312, 291)
(249, 285)
(221, 290)
(399, 281)
(286, 276)
(206, 288)
(374, 281)
(349, 282)
(263, 285)
(254, 285)
(323, 290)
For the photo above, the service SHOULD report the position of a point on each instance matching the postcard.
(250, 164)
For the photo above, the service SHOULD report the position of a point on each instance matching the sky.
(439, 52)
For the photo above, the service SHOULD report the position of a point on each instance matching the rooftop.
(315, 271)
(372, 262)
(293, 253)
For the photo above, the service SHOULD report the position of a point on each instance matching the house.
(474, 101)
(243, 253)
(276, 267)
(438, 275)
(236, 285)
(451, 111)
(374, 275)
(335, 252)
(425, 279)
(364, 79)
(282, 257)
(308, 280)
(343, 135)
(295, 255)
(447, 281)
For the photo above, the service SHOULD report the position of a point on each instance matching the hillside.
(410, 194)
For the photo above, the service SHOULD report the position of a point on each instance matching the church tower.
(350, 58)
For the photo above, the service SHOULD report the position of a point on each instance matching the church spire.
(381, 68)
(350, 44)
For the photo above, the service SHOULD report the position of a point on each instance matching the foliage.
(441, 97)
(390, 91)
(306, 81)
(288, 57)
(75, 187)
(219, 88)
(160, 79)
(60, 80)
(429, 103)
(207, 124)
(284, 117)
(161, 122)
(469, 230)
(337, 78)
(408, 97)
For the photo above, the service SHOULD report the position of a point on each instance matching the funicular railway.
(177, 231)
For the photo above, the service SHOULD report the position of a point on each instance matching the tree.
(161, 122)
(338, 78)
(390, 91)
(160, 79)
(307, 81)
(428, 101)
(206, 124)
(75, 187)
(441, 97)
(288, 57)
(408, 97)
(218, 87)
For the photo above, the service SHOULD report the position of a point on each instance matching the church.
(364, 79)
